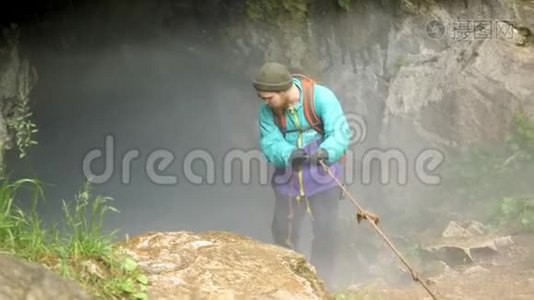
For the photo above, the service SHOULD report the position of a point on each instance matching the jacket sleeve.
(337, 133)
(273, 144)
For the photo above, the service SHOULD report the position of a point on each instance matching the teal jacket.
(277, 148)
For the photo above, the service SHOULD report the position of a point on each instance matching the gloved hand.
(298, 157)
(319, 155)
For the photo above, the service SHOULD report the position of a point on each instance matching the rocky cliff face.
(436, 75)
(465, 85)
(385, 62)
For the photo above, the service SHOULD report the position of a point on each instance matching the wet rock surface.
(221, 265)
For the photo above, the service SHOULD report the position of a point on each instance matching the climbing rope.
(373, 219)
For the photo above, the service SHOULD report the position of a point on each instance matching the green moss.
(301, 268)
(285, 24)
(400, 61)
(416, 7)
(345, 4)
(515, 213)
(522, 139)
(275, 11)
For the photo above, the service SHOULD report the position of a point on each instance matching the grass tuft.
(80, 250)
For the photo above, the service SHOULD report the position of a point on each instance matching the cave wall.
(414, 91)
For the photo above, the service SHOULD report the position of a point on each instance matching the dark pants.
(324, 213)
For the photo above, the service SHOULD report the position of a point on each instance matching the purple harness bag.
(285, 181)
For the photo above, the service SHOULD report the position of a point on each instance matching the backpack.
(309, 111)
(308, 105)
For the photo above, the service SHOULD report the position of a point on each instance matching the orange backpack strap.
(308, 106)
(309, 103)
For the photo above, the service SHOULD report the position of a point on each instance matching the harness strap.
(304, 129)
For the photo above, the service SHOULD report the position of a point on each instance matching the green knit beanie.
(272, 77)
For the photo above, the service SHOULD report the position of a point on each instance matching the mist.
(174, 91)
(170, 76)
(155, 76)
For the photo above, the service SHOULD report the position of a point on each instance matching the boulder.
(221, 265)
(464, 242)
(21, 280)
(465, 229)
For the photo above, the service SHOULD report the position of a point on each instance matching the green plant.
(275, 11)
(104, 269)
(521, 141)
(135, 284)
(516, 213)
(81, 250)
(21, 126)
(345, 4)
(399, 62)
(21, 232)
(24, 128)
(15, 108)
(480, 177)
(84, 220)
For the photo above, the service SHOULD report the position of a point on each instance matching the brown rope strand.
(374, 220)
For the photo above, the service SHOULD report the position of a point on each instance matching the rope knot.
(366, 215)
